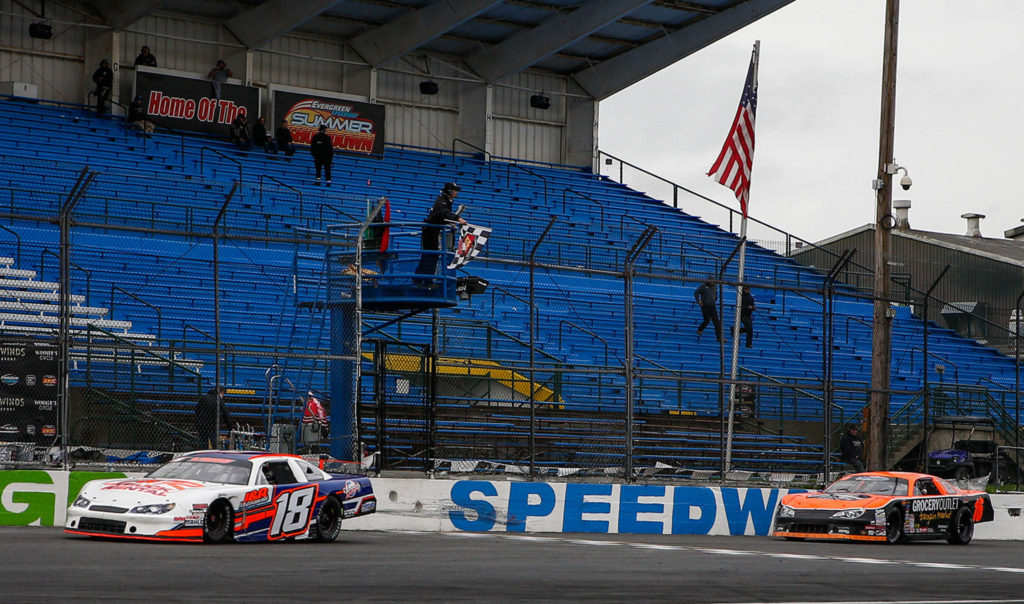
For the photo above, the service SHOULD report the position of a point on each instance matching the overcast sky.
(958, 126)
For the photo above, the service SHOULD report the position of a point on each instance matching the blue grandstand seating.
(168, 182)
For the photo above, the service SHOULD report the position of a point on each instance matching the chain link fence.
(579, 358)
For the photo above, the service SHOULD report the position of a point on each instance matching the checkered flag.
(472, 239)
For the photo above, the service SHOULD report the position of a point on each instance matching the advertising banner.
(190, 104)
(28, 391)
(353, 126)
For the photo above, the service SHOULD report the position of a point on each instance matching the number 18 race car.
(884, 506)
(217, 496)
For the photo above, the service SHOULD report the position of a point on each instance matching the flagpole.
(739, 303)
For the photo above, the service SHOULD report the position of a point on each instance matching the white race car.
(217, 496)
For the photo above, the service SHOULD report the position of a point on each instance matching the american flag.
(472, 239)
(734, 163)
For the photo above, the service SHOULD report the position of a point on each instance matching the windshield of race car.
(224, 471)
(871, 485)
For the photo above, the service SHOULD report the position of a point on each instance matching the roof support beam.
(257, 26)
(123, 13)
(526, 48)
(621, 71)
(406, 33)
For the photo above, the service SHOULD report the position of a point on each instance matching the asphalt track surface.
(44, 565)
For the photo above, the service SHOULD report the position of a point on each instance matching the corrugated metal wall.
(193, 45)
(58, 68)
(182, 44)
(417, 119)
(525, 132)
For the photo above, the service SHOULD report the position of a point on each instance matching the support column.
(476, 116)
(581, 133)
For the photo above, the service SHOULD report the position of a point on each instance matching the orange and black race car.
(890, 507)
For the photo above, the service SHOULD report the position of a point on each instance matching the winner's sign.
(189, 104)
(353, 126)
(28, 391)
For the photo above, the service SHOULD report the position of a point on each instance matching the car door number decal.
(292, 513)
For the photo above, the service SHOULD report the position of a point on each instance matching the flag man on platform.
(732, 169)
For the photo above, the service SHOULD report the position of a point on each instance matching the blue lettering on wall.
(520, 508)
(684, 498)
(462, 495)
(753, 507)
(576, 507)
(630, 507)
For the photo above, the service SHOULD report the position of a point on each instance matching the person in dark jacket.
(747, 306)
(323, 153)
(103, 77)
(851, 448)
(284, 139)
(707, 298)
(430, 236)
(137, 116)
(145, 58)
(240, 132)
(260, 137)
(206, 417)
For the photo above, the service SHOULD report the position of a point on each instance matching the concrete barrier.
(40, 498)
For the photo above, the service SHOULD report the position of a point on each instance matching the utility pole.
(881, 333)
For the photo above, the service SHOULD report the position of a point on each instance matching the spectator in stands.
(137, 116)
(747, 306)
(430, 236)
(851, 448)
(284, 139)
(104, 80)
(707, 298)
(260, 137)
(218, 75)
(240, 132)
(145, 58)
(323, 153)
(206, 417)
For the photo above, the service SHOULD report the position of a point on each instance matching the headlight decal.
(786, 512)
(849, 514)
(155, 508)
(80, 502)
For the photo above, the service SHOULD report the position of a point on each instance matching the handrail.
(588, 198)
(17, 258)
(202, 159)
(336, 210)
(543, 179)
(145, 414)
(498, 288)
(134, 346)
(211, 337)
(956, 368)
(284, 184)
(586, 331)
(655, 363)
(88, 273)
(857, 319)
(676, 187)
(159, 314)
(487, 154)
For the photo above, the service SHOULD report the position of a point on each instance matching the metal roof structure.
(602, 45)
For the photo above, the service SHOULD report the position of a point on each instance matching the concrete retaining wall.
(40, 498)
